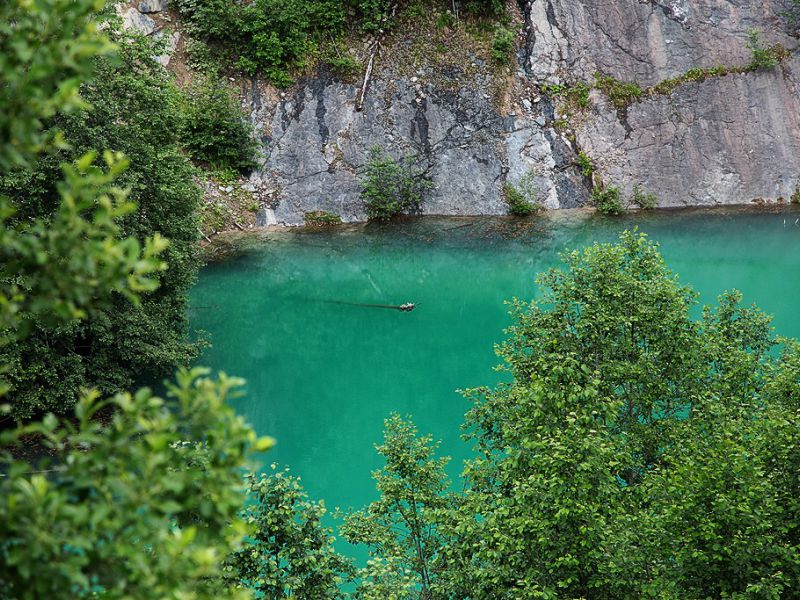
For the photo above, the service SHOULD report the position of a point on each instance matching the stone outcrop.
(725, 140)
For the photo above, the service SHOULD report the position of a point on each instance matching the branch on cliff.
(373, 52)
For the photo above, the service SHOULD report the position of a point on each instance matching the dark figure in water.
(407, 307)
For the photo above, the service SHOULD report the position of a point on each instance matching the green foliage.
(792, 16)
(607, 201)
(636, 453)
(795, 198)
(60, 264)
(763, 58)
(503, 44)
(621, 94)
(576, 94)
(273, 37)
(643, 199)
(390, 187)
(345, 67)
(39, 80)
(585, 164)
(142, 507)
(215, 131)
(524, 199)
(289, 554)
(136, 110)
(484, 8)
(401, 527)
(373, 15)
(321, 218)
(667, 86)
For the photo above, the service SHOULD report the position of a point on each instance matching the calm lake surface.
(322, 374)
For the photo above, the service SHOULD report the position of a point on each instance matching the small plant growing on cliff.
(585, 164)
(795, 198)
(607, 201)
(621, 94)
(517, 204)
(321, 218)
(643, 199)
(344, 67)
(391, 187)
(502, 44)
(763, 58)
(523, 199)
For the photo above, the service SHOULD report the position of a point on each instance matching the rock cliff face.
(725, 139)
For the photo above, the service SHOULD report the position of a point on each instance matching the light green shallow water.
(322, 375)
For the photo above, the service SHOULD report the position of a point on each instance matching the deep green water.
(322, 375)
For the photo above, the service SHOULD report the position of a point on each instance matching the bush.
(484, 8)
(344, 67)
(215, 131)
(502, 44)
(607, 201)
(585, 164)
(523, 199)
(643, 199)
(142, 507)
(392, 187)
(763, 58)
(135, 110)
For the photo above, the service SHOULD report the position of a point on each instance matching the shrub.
(484, 8)
(763, 58)
(344, 67)
(523, 199)
(795, 198)
(392, 187)
(607, 201)
(585, 164)
(215, 131)
(502, 44)
(643, 199)
(321, 218)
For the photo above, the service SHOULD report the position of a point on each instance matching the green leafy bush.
(585, 164)
(400, 528)
(215, 131)
(484, 8)
(143, 507)
(763, 58)
(607, 200)
(289, 553)
(391, 187)
(523, 199)
(344, 67)
(136, 110)
(643, 199)
(503, 44)
(273, 37)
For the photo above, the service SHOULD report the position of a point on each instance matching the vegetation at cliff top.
(278, 37)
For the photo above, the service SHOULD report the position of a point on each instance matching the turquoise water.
(323, 374)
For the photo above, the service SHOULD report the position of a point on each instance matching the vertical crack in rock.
(420, 128)
(530, 35)
(318, 92)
